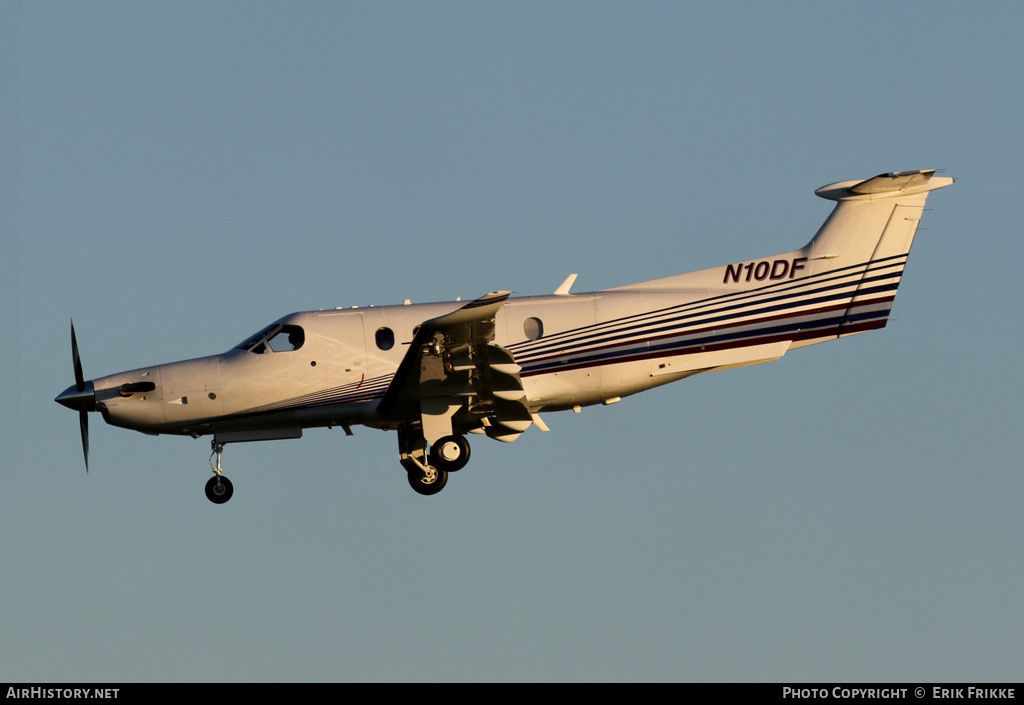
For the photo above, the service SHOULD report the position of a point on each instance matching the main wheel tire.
(428, 485)
(219, 489)
(450, 453)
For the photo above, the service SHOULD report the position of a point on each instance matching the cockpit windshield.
(274, 338)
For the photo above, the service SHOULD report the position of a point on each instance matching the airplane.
(436, 372)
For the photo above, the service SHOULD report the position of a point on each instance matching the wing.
(455, 378)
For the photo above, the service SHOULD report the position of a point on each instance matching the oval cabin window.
(385, 338)
(533, 328)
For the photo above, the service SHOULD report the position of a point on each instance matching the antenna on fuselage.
(563, 290)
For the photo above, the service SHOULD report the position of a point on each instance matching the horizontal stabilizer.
(897, 183)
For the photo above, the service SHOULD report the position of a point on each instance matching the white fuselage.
(341, 371)
(586, 349)
(570, 350)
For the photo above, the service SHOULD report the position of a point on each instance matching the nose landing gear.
(219, 488)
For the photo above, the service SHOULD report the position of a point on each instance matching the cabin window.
(385, 338)
(534, 328)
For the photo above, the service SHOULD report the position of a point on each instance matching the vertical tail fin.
(842, 282)
(868, 237)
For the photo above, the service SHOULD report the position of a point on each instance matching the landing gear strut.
(429, 474)
(218, 488)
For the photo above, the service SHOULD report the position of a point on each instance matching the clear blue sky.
(176, 175)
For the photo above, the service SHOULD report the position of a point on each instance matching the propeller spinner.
(80, 396)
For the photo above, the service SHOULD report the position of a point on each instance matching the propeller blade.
(79, 377)
(83, 422)
(83, 412)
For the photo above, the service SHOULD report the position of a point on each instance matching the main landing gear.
(450, 453)
(428, 472)
(428, 481)
(219, 488)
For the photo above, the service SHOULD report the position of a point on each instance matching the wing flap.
(422, 373)
(453, 373)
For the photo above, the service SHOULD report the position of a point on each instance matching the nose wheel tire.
(450, 453)
(430, 482)
(219, 489)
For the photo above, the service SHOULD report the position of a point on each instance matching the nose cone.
(79, 399)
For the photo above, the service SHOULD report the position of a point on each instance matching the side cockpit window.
(252, 340)
(286, 339)
(275, 338)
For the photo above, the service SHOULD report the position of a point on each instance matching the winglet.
(563, 290)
